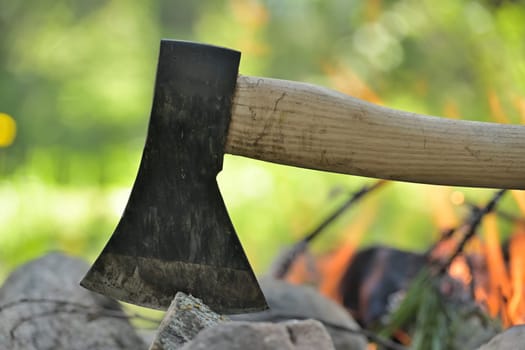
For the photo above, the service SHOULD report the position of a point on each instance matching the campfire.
(479, 265)
(488, 267)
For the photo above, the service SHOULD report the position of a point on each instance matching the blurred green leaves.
(77, 78)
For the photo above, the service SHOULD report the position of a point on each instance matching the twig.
(445, 234)
(473, 225)
(287, 258)
(473, 284)
(502, 214)
(510, 217)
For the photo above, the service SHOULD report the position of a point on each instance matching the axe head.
(175, 233)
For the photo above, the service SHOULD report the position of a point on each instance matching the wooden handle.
(312, 127)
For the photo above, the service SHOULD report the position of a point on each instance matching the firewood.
(185, 318)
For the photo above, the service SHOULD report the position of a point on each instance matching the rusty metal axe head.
(175, 233)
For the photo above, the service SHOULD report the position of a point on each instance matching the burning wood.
(374, 279)
(476, 271)
(516, 305)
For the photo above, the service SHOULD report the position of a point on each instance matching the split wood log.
(185, 317)
(190, 325)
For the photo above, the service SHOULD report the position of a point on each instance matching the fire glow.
(493, 272)
(495, 280)
(497, 284)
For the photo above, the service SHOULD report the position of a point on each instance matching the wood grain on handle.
(312, 127)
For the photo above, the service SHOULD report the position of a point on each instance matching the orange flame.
(496, 110)
(516, 305)
(441, 206)
(519, 105)
(451, 110)
(333, 267)
(253, 14)
(327, 271)
(519, 197)
(348, 82)
(300, 271)
(460, 270)
(499, 283)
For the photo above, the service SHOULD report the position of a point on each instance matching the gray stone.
(512, 339)
(288, 301)
(290, 335)
(81, 321)
(474, 331)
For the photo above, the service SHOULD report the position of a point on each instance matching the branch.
(283, 264)
(477, 216)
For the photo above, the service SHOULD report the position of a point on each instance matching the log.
(185, 317)
(190, 325)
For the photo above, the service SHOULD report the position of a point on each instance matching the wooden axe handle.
(313, 127)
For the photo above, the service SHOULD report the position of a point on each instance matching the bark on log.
(185, 317)
(191, 325)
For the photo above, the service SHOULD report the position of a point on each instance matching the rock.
(288, 302)
(512, 339)
(290, 335)
(148, 336)
(473, 330)
(185, 317)
(76, 323)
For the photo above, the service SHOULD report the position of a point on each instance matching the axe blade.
(175, 233)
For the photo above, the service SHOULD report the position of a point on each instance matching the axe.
(175, 233)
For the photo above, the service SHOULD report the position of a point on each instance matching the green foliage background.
(77, 77)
